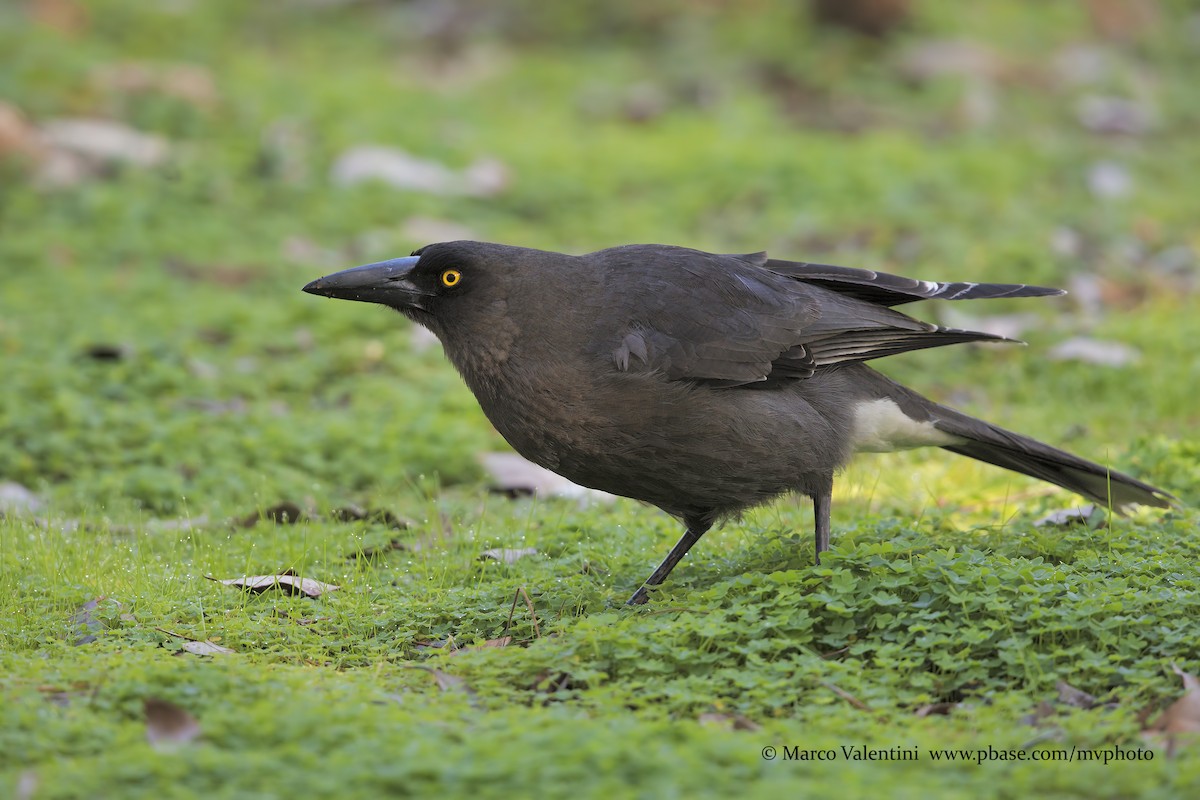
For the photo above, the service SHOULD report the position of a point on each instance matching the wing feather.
(750, 320)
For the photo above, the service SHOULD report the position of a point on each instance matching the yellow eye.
(451, 277)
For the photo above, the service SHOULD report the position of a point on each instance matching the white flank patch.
(881, 427)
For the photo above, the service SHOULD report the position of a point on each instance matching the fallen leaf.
(65, 697)
(447, 682)
(1071, 696)
(286, 581)
(424, 230)
(1104, 114)
(370, 551)
(186, 523)
(936, 709)
(503, 641)
(1190, 682)
(486, 177)
(353, 513)
(68, 17)
(731, 722)
(1010, 326)
(1083, 64)
(191, 83)
(1094, 351)
(1091, 515)
(18, 137)
(108, 352)
(1044, 710)
(204, 649)
(514, 476)
(167, 725)
(954, 58)
(103, 142)
(508, 555)
(285, 513)
(1109, 180)
(229, 275)
(1123, 20)
(849, 698)
(15, 499)
(85, 619)
(1181, 717)
(550, 681)
(874, 18)
(27, 785)
(401, 170)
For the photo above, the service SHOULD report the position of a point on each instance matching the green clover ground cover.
(164, 380)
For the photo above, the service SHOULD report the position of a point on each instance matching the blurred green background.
(172, 172)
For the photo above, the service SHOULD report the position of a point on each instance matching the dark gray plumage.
(703, 384)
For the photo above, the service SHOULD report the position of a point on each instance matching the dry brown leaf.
(508, 555)
(1190, 682)
(354, 513)
(189, 82)
(1183, 716)
(65, 16)
(18, 137)
(874, 18)
(228, 275)
(287, 581)
(849, 698)
(167, 725)
(1123, 20)
(1181, 721)
(285, 513)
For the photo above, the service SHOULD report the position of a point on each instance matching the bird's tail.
(994, 445)
(989, 443)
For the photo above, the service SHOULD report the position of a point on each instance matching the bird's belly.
(674, 445)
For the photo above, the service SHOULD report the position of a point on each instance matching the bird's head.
(479, 295)
(425, 285)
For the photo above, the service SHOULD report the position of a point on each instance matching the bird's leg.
(696, 527)
(822, 501)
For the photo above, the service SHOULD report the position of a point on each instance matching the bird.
(702, 383)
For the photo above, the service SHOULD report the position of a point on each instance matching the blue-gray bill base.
(703, 384)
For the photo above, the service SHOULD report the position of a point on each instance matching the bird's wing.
(718, 319)
(726, 321)
(893, 290)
